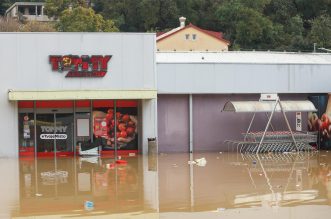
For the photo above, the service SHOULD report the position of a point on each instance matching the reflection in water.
(167, 186)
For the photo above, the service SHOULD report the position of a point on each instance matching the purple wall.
(173, 123)
(211, 126)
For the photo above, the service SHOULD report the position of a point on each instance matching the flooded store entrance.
(70, 128)
(229, 185)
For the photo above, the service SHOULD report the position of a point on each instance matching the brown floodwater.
(224, 185)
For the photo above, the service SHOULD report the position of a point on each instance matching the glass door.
(54, 134)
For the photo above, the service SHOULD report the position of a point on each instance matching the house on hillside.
(190, 38)
(31, 11)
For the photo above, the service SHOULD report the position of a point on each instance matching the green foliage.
(321, 31)
(247, 24)
(54, 8)
(82, 19)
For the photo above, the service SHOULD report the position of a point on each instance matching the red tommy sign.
(80, 66)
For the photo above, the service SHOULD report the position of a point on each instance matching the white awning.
(82, 95)
(268, 106)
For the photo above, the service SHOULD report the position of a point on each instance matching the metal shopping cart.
(272, 141)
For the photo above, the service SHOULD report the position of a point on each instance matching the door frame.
(55, 112)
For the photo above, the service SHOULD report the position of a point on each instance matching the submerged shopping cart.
(272, 141)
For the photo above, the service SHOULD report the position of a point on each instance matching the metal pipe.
(191, 122)
(74, 130)
(288, 125)
(35, 128)
(115, 130)
(54, 146)
(91, 121)
(272, 127)
(266, 128)
(249, 127)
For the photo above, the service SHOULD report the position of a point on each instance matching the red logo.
(84, 66)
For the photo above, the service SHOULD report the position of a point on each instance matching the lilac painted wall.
(211, 126)
(173, 123)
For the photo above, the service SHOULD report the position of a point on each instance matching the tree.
(321, 31)
(82, 19)
(35, 26)
(4, 5)
(54, 8)
(9, 25)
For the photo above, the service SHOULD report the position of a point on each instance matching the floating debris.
(39, 194)
(201, 162)
(191, 162)
(89, 205)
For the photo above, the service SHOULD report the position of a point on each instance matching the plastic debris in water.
(201, 162)
(89, 205)
(254, 161)
(121, 162)
(39, 195)
(191, 162)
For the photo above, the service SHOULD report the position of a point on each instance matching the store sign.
(298, 119)
(52, 129)
(53, 136)
(80, 66)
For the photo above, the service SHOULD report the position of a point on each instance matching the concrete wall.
(24, 65)
(227, 78)
(211, 127)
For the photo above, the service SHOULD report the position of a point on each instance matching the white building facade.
(61, 90)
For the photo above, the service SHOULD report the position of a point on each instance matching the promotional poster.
(320, 120)
(126, 128)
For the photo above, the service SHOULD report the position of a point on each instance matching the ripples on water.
(165, 186)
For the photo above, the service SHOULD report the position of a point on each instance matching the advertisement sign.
(126, 127)
(100, 127)
(298, 121)
(320, 121)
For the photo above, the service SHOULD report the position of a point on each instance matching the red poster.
(100, 127)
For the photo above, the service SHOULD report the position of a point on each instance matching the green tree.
(35, 26)
(82, 19)
(321, 31)
(54, 8)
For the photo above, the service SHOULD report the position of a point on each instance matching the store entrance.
(66, 128)
(54, 134)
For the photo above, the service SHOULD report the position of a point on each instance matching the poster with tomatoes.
(320, 121)
(126, 127)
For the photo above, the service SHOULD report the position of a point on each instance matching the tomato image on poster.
(126, 127)
(321, 121)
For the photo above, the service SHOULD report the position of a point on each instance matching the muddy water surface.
(166, 186)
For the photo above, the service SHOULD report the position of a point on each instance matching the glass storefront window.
(126, 124)
(26, 132)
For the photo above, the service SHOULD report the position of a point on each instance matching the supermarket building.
(60, 90)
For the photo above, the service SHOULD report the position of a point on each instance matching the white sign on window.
(83, 127)
(298, 121)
